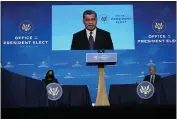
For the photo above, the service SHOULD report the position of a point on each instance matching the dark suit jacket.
(46, 82)
(102, 41)
(157, 78)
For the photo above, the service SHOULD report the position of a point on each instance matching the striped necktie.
(91, 41)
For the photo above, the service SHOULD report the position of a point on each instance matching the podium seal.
(54, 91)
(145, 90)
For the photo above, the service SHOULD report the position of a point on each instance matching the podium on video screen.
(101, 59)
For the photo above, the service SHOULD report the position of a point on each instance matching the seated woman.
(50, 78)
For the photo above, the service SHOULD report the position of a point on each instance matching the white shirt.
(93, 34)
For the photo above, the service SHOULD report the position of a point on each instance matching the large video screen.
(116, 19)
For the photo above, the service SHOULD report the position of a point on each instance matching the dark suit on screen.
(102, 41)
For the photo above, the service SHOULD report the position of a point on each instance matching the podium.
(100, 60)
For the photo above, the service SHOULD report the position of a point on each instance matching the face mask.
(50, 76)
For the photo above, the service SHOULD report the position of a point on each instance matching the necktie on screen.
(91, 41)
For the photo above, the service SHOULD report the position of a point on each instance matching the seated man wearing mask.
(49, 78)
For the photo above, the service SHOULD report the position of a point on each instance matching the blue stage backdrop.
(36, 37)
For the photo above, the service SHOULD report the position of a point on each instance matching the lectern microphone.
(100, 51)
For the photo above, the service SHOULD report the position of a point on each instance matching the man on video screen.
(91, 38)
